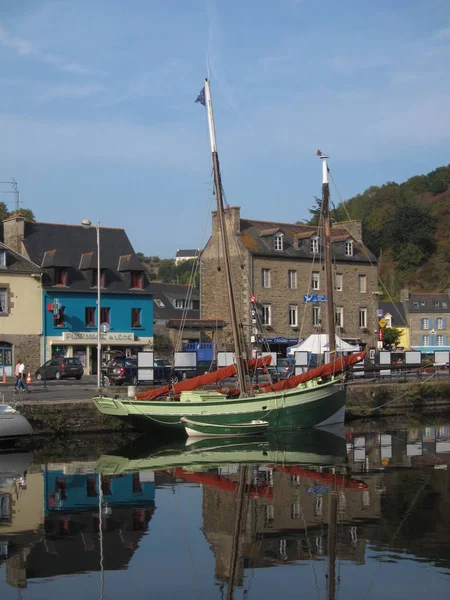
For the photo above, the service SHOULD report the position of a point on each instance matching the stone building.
(428, 317)
(20, 311)
(282, 264)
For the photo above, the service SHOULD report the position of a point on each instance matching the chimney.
(404, 295)
(14, 233)
(233, 216)
(354, 228)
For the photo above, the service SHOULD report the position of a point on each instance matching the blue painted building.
(68, 257)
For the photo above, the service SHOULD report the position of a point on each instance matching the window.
(440, 323)
(89, 316)
(292, 280)
(439, 340)
(59, 317)
(349, 248)
(339, 316)
(315, 280)
(159, 303)
(3, 301)
(183, 303)
(314, 244)
(437, 303)
(60, 276)
(278, 242)
(91, 487)
(2, 258)
(135, 317)
(363, 317)
(95, 278)
(105, 315)
(136, 280)
(362, 284)
(266, 314)
(426, 340)
(338, 282)
(293, 315)
(265, 275)
(388, 319)
(316, 316)
(425, 323)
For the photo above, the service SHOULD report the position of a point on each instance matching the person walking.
(17, 375)
(22, 378)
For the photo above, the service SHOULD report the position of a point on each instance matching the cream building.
(20, 311)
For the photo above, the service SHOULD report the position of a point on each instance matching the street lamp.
(86, 223)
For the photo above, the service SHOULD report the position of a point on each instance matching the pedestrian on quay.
(21, 380)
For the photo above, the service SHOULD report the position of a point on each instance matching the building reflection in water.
(51, 525)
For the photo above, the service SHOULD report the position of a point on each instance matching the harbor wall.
(370, 400)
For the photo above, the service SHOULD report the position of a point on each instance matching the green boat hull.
(312, 405)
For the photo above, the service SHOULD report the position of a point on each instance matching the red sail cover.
(202, 380)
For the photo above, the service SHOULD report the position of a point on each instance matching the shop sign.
(92, 335)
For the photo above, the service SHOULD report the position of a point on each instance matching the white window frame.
(265, 278)
(267, 314)
(426, 340)
(293, 315)
(159, 302)
(315, 316)
(278, 242)
(315, 280)
(3, 301)
(362, 284)
(2, 259)
(314, 244)
(388, 319)
(292, 279)
(363, 318)
(338, 282)
(349, 248)
(339, 316)
(426, 323)
(439, 323)
(439, 340)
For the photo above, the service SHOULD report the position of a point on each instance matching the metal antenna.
(14, 191)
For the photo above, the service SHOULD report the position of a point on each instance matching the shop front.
(279, 345)
(83, 345)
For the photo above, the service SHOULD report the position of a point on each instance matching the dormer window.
(314, 244)
(60, 276)
(2, 259)
(136, 280)
(349, 248)
(159, 303)
(95, 278)
(278, 241)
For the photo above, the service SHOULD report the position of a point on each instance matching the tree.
(162, 344)
(391, 337)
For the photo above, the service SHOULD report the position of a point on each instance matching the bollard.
(131, 391)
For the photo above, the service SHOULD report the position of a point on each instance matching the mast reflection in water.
(326, 517)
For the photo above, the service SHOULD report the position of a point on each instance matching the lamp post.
(86, 223)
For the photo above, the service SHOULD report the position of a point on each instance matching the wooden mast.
(238, 351)
(328, 259)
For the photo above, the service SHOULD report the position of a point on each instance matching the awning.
(431, 349)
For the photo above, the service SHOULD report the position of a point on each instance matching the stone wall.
(27, 348)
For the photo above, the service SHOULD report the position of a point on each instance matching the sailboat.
(312, 399)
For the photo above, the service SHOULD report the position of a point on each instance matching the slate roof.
(397, 312)
(167, 293)
(256, 240)
(428, 303)
(74, 247)
(15, 263)
(187, 253)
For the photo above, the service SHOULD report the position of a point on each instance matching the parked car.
(121, 370)
(285, 367)
(60, 368)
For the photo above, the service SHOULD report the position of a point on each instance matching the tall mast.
(328, 262)
(240, 366)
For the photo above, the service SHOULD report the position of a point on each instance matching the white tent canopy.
(317, 343)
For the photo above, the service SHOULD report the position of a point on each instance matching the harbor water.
(357, 513)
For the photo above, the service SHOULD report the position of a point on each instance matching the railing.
(398, 372)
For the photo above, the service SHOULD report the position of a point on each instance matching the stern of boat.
(110, 406)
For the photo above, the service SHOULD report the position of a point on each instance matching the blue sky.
(98, 120)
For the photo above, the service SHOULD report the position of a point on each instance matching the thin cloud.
(442, 34)
(27, 48)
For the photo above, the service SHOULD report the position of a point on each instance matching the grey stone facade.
(27, 348)
(249, 256)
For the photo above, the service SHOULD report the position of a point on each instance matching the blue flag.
(201, 97)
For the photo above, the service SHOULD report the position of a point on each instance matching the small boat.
(12, 423)
(203, 429)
